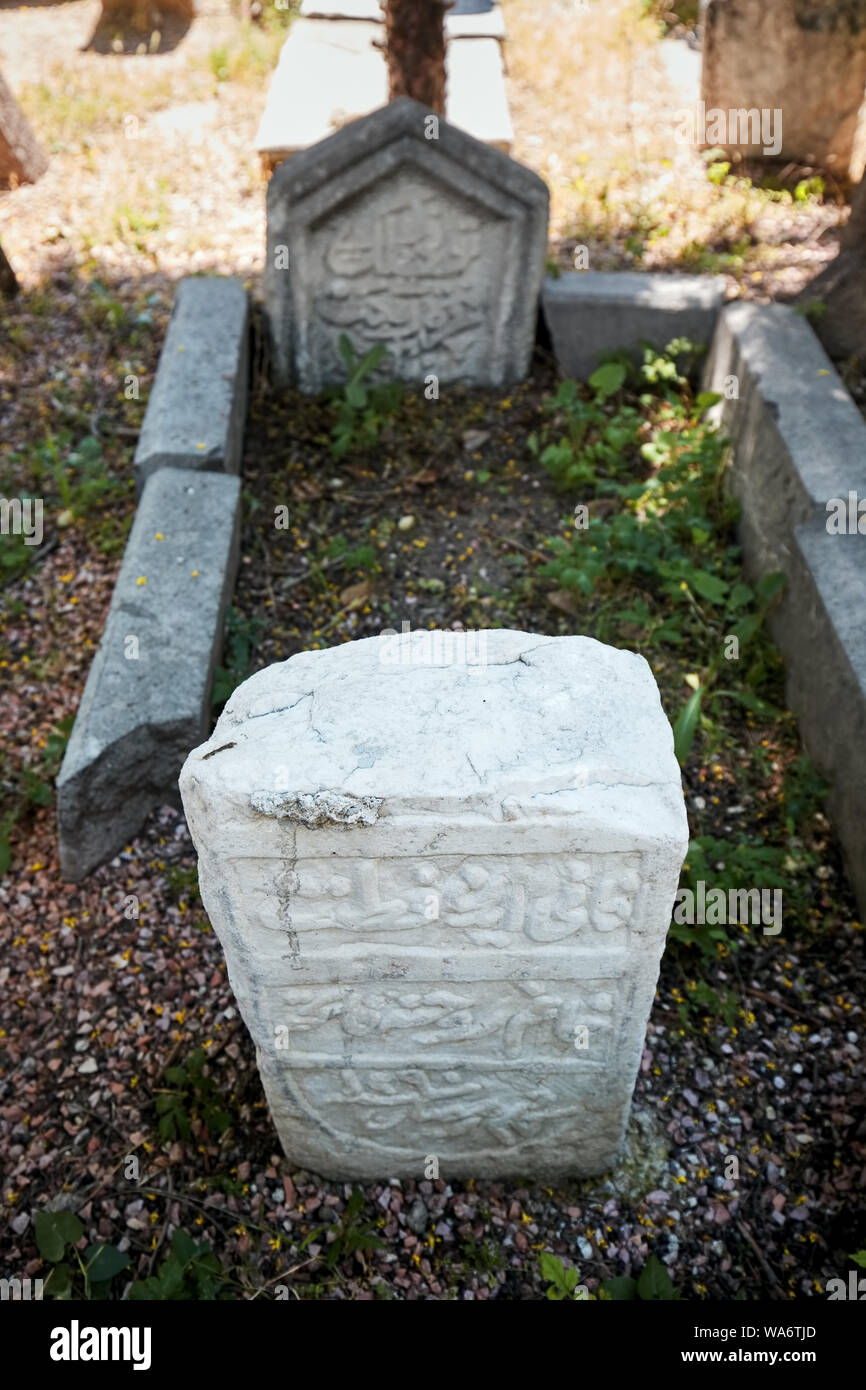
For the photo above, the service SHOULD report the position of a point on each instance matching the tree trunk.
(145, 15)
(21, 159)
(8, 283)
(841, 288)
(159, 23)
(415, 50)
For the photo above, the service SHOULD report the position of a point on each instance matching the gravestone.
(400, 229)
(21, 159)
(442, 868)
(804, 58)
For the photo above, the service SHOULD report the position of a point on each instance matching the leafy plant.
(361, 409)
(190, 1098)
(653, 1284)
(31, 786)
(354, 1235)
(562, 1282)
(191, 1272)
(242, 635)
(75, 1275)
(658, 553)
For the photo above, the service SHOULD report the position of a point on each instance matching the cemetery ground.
(456, 511)
(440, 513)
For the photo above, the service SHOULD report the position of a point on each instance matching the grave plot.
(442, 922)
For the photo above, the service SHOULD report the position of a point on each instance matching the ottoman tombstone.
(442, 878)
(402, 230)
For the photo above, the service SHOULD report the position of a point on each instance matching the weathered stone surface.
(21, 159)
(591, 312)
(147, 697)
(821, 629)
(798, 441)
(806, 58)
(798, 438)
(433, 246)
(431, 870)
(197, 407)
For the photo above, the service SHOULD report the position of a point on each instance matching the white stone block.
(442, 877)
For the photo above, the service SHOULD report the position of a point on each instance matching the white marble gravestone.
(442, 876)
(400, 229)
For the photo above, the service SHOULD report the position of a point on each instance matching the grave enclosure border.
(798, 441)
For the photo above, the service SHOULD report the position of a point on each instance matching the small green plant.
(562, 1282)
(242, 634)
(354, 557)
(182, 880)
(75, 1275)
(483, 1256)
(809, 190)
(354, 1235)
(653, 1284)
(659, 554)
(32, 786)
(191, 1272)
(361, 409)
(190, 1098)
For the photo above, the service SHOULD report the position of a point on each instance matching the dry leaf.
(356, 594)
(564, 600)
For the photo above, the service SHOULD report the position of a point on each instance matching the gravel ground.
(96, 1005)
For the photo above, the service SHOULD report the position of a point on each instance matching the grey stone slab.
(821, 629)
(197, 407)
(592, 312)
(798, 438)
(147, 697)
(431, 244)
(798, 442)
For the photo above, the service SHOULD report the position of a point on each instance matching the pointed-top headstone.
(401, 229)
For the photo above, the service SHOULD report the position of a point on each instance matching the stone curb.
(197, 407)
(590, 312)
(798, 441)
(146, 702)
